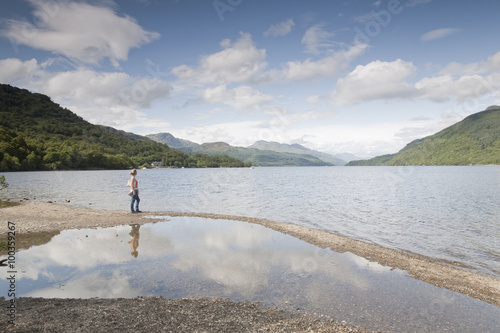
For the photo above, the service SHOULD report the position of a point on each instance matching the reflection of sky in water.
(188, 257)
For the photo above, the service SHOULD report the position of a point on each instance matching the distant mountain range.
(261, 153)
(474, 140)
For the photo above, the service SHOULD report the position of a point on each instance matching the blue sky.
(362, 77)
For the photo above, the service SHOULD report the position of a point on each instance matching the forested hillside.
(474, 140)
(37, 134)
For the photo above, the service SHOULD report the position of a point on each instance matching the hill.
(171, 141)
(257, 157)
(250, 155)
(296, 149)
(38, 134)
(474, 140)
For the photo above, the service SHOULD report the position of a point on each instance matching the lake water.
(447, 212)
(197, 257)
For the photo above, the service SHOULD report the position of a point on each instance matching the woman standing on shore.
(134, 187)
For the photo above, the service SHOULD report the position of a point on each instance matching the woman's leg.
(137, 200)
(132, 200)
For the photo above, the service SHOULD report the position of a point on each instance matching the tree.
(3, 183)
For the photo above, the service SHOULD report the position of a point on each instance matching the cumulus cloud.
(240, 61)
(328, 66)
(388, 80)
(376, 80)
(243, 97)
(280, 29)
(438, 34)
(12, 69)
(443, 88)
(79, 31)
(462, 82)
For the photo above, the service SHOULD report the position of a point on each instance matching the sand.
(37, 222)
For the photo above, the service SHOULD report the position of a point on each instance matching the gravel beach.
(37, 222)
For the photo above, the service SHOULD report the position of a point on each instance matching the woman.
(134, 187)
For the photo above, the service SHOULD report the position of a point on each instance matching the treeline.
(37, 134)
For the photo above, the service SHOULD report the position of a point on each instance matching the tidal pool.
(198, 257)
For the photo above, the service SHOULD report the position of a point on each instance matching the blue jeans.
(136, 199)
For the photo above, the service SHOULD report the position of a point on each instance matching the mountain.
(38, 134)
(296, 149)
(172, 141)
(347, 157)
(474, 140)
(257, 157)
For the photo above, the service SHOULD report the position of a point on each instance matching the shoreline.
(40, 218)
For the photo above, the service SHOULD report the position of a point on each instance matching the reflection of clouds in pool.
(228, 254)
(80, 249)
(240, 258)
(90, 285)
(197, 257)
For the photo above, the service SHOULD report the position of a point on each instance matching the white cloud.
(466, 87)
(12, 69)
(243, 97)
(316, 39)
(280, 29)
(438, 34)
(491, 64)
(376, 80)
(240, 61)
(328, 66)
(79, 31)
(283, 120)
(313, 99)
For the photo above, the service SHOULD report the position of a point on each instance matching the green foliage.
(37, 134)
(474, 140)
(3, 183)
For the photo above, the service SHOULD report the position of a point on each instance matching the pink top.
(135, 183)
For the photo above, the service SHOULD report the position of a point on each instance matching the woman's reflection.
(134, 242)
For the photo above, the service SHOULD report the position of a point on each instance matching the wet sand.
(36, 222)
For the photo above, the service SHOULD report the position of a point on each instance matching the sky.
(348, 76)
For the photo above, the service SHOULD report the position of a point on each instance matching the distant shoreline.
(34, 218)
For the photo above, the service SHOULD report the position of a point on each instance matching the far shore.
(37, 222)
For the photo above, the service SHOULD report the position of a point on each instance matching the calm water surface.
(451, 213)
(193, 257)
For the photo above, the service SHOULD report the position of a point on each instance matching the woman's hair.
(133, 172)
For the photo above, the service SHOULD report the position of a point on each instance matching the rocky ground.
(160, 315)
